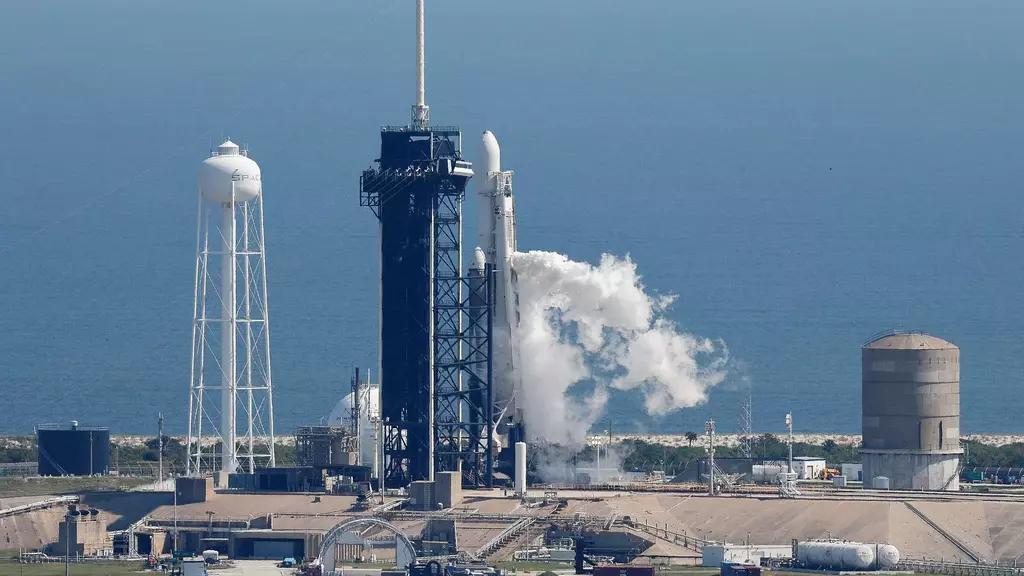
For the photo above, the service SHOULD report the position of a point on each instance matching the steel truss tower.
(231, 415)
(435, 323)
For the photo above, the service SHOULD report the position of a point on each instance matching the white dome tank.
(369, 408)
(227, 167)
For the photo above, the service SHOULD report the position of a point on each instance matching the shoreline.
(670, 440)
(733, 439)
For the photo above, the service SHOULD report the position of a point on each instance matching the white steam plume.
(598, 325)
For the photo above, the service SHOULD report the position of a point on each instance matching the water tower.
(231, 415)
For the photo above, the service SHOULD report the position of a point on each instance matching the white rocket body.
(496, 225)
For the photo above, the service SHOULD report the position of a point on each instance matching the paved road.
(254, 568)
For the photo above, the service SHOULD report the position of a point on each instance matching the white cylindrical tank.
(228, 168)
(836, 555)
(767, 473)
(887, 557)
(520, 484)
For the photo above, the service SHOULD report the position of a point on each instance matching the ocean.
(801, 175)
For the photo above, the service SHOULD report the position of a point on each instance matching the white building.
(715, 554)
(854, 472)
(808, 467)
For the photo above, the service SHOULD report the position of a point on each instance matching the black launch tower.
(435, 322)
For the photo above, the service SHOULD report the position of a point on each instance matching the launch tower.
(435, 373)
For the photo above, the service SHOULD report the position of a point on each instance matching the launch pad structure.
(435, 322)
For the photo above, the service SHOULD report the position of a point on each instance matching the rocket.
(496, 244)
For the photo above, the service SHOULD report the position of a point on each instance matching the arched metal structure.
(405, 553)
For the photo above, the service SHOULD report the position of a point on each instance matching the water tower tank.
(911, 411)
(229, 168)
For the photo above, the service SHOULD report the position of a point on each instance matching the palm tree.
(690, 438)
(829, 445)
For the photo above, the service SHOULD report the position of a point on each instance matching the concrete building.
(853, 471)
(911, 411)
(83, 534)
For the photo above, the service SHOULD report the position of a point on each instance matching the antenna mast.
(746, 426)
(420, 110)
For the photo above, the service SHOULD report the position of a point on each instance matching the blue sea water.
(801, 174)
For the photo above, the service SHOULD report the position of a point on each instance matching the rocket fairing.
(496, 229)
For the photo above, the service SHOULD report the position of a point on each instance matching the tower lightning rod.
(420, 110)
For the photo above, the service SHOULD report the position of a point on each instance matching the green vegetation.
(15, 486)
(16, 450)
(14, 568)
(646, 456)
(128, 458)
(978, 454)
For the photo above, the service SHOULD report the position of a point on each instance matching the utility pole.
(378, 450)
(789, 426)
(67, 540)
(160, 444)
(709, 431)
(746, 427)
(174, 541)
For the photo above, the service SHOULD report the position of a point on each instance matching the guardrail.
(685, 540)
(40, 505)
(506, 535)
(958, 568)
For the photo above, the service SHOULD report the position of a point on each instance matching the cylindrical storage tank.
(72, 450)
(910, 399)
(835, 555)
(887, 556)
(767, 473)
(520, 484)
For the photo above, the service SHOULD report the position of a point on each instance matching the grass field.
(562, 567)
(12, 487)
(13, 568)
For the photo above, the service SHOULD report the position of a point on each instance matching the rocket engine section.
(496, 225)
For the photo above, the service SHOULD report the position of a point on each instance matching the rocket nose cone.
(492, 152)
(478, 259)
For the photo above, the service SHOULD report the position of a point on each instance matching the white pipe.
(227, 343)
(520, 471)
(195, 327)
(420, 110)
(266, 333)
(421, 99)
